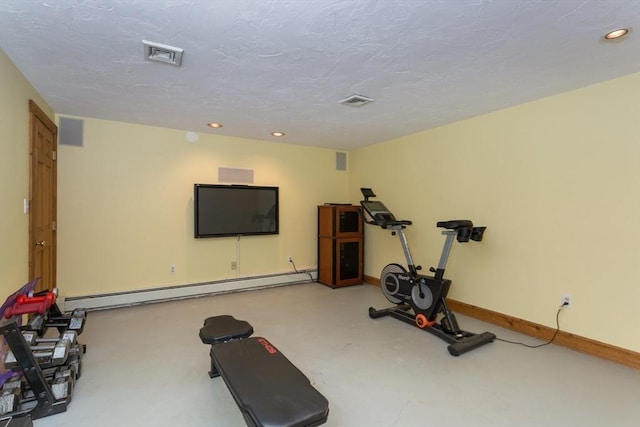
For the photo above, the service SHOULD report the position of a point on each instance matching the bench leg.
(214, 371)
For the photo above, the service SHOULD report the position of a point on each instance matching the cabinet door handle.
(41, 244)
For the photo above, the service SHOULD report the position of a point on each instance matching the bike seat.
(455, 224)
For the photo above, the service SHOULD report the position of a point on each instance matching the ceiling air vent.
(162, 53)
(356, 100)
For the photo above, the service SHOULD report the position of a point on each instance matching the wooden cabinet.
(340, 245)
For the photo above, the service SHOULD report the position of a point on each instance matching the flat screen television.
(235, 210)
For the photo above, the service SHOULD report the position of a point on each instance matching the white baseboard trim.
(130, 298)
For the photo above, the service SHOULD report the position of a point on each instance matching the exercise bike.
(420, 300)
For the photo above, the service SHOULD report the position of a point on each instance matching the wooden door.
(43, 136)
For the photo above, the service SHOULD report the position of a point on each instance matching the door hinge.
(54, 156)
(54, 225)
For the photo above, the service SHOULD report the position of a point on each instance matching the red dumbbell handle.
(24, 304)
(24, 299)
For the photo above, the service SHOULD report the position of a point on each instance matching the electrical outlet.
(290, 258)
(172, 269)
(234, 265)
(566, 301)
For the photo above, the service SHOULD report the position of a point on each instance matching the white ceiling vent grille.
(356, 100)
(162, 53)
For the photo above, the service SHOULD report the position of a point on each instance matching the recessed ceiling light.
(277, 133)
(214, 125)
(616, 34)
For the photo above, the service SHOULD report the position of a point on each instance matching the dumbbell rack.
(44, 398)
(45, 403)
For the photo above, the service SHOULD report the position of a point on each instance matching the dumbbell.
(74, 322)
(40, 322)
(31, 304)
(9, 400)
(75, 351)
(36, 323)
(16, 391)
(54, 354)
(32, 338)
(61, 384)
(18, 380)
(31, 298)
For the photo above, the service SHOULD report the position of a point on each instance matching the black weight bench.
(269, 390)
(221, 329)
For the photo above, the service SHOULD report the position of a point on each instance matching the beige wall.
(125, 207)
(15, 92)
(557, 182)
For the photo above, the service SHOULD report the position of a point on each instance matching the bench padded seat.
(219, 329)
(269, 390)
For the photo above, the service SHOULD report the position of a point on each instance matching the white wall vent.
(356, 100)
(162, 53)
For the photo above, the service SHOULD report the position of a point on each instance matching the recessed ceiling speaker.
(341, 161)
(236, 176)
(70, 131)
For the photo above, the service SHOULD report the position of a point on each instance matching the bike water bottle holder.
(477, 233)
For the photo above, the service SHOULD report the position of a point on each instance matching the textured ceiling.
(259, 66)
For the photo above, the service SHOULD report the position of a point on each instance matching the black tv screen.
(235, 210)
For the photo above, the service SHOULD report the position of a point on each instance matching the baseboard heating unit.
(145, 296)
